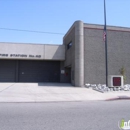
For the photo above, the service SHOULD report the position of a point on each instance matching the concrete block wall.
(118, 52)
(74, 56)
(70, 53)
(87, 55)
(94, 56)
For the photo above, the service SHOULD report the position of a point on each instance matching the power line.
(11, 29)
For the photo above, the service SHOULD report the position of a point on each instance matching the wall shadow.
(55, 84)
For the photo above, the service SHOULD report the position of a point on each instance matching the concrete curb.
(119, 98)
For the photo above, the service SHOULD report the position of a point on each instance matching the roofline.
(70, 29)
(30, 43)
(109, 27)
(99, 27)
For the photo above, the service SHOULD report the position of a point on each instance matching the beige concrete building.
(79, 60)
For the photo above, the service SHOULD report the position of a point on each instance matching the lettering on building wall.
(31, 56)
(20, 56)
(35, 56)
(3, 55)
(38, 56)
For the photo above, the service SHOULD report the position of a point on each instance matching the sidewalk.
(48, 92)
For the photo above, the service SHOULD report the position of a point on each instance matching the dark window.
(69, 45)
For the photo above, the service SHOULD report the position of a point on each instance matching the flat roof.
(31, 43)
(109, 27)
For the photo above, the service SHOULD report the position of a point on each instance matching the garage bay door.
(29, 71)
(39, 71)
(7, 70)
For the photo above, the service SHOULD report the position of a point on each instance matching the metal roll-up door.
(39, 71)
(7, 70)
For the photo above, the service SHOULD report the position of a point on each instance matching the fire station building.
(79, 60)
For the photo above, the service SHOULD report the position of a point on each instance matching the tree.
(123, 73)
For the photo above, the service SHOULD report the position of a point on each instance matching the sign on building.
(115, 81)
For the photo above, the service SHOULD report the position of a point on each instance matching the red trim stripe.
(107, 29)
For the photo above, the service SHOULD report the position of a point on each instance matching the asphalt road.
(95, 115)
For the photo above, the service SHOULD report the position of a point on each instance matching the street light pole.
(105, 40)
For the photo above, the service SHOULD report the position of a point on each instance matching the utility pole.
(105, 40)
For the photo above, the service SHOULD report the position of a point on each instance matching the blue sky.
(56, 16)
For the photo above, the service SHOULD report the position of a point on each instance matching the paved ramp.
(46, 92)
